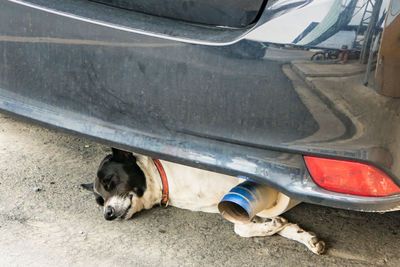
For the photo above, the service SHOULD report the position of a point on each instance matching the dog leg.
(260, 227)
(278, 225)
(309, 239)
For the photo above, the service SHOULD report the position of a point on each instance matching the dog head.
(119, 185)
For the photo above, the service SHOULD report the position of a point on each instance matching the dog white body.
(199, 190)
(189, 188)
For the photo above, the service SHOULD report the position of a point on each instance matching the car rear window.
(230, 13)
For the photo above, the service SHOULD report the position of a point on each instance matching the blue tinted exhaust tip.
(247, 199)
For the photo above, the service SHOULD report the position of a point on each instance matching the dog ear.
(121, 155)
(88, 187)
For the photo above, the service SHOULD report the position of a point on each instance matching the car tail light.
(350, 177)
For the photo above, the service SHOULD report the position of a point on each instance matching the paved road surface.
(46, 219)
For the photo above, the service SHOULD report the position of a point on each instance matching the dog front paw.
(317, 246)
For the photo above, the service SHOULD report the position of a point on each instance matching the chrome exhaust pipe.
(249, 199)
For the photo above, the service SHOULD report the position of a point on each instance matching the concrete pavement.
(46, 219)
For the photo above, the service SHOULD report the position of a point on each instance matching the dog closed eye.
(100, 200)
(108, 183)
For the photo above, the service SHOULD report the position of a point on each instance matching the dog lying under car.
(128, 183)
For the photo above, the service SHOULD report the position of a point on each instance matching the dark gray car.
(227, 86)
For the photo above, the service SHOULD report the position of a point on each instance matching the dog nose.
(109, 213)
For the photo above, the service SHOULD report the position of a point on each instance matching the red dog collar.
(163, 175)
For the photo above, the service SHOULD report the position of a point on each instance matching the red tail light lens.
(350, 177)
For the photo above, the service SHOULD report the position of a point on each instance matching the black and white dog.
(128, 183)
